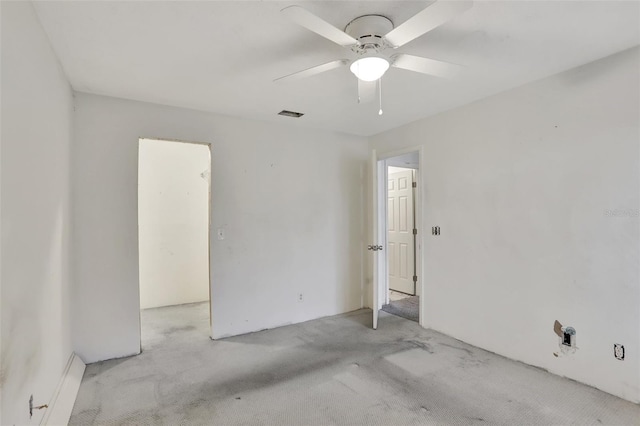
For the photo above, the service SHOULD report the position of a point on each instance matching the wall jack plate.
(618, 351)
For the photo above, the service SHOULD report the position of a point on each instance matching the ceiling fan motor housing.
(369, 30)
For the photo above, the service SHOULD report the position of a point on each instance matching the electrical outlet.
(300, 298)
(618, 351)
(569, 336)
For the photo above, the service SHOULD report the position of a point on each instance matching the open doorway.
(402, 294)
(173, 232)
(397, 234)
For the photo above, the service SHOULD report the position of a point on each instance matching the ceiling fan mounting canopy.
(369, 31)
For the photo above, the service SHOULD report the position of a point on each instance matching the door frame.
(381, 280)
(209, 215)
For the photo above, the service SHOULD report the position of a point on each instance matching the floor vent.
(290, 113)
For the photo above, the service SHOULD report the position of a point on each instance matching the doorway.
(174, 182)
(397, 234)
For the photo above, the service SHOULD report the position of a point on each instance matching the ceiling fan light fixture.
(370, 68)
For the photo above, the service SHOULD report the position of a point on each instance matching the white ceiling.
(222, 56)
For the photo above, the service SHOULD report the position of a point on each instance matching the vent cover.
(293, 114)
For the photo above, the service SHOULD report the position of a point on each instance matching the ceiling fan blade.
(366, 91)
(312, 22)
(313, 70)
(425, 65)
(429, 18)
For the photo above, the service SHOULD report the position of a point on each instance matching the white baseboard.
(59, 411)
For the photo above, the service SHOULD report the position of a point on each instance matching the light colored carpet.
(331, 371)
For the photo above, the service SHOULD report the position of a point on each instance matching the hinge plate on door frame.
(415, 231)
(414, 184)
(415, 278)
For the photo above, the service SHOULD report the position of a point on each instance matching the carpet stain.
(420, 345)
(468, 351)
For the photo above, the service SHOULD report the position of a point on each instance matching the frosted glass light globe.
(370, 68)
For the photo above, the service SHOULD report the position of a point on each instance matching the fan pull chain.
(380, 95)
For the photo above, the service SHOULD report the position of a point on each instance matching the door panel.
(400, 231)
(403, 215)
(392, 254)
(392, 214)
(403, 261)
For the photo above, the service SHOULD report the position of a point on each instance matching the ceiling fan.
(371, 37)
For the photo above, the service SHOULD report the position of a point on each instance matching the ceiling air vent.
(290, 113)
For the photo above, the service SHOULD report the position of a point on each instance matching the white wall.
(36, 133)
(289, 200)
(520, 184)
(173, 222)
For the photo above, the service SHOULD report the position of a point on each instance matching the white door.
(375, 248)
(400, 231)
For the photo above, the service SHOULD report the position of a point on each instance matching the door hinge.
(415, 278)
(414, 184)
(415, 231)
